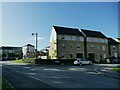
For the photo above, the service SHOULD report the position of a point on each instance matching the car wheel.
(80, 64)
(90, 63)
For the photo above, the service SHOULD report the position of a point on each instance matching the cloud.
(40, 38)
(34, 38)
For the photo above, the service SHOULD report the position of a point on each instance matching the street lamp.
(36, 35)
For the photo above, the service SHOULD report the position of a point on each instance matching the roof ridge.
(66, 27)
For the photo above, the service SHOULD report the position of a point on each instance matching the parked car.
(81, 61)
(93, 60)
(115, 60)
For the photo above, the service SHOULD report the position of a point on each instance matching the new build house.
(66, 43)
(96, 45)
(71, 43)
(118, 41)
(113, 48)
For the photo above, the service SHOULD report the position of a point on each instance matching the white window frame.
(103, 48)
(63, 45)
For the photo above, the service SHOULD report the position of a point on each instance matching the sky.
(21, 19)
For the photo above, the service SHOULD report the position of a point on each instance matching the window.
(63, 37)
(63, 45)
(103, 48)
(62, 55)
(71, 55)
(115, 55)
(6, 50)
(78, 45)
(82, 59)
(70, 37)
(10, 51)
(91, 46)
(113, 47)
(98, 47)
(104, 55)
(78, 37)
(101, 40)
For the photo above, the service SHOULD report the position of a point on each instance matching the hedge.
(55, 61)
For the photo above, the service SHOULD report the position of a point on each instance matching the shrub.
(55, 61)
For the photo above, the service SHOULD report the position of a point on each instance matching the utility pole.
(36, 35)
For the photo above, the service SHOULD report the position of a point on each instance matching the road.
(53, 76)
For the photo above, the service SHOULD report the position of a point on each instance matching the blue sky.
(20, 19)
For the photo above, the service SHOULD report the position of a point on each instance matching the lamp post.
(36, 36)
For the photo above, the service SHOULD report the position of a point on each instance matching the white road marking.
(43, 81)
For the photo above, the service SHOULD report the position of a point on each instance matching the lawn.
(5, 85)
(29, 60)
(117, 69)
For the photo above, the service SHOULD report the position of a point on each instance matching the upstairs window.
(6, 50)
(78, 45)
(113, 47)
(70, 37)
(91, 46)
(63, 37)
(78, 37)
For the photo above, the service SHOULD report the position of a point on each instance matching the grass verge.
(5, 85)
(17, 61)
(117, 69)
(29, 60)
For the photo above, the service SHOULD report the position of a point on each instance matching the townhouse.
(71, 43)
(96, 45)
(113, 48)
(118, 41)
(66, 43)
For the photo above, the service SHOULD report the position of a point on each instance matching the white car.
(81, 61)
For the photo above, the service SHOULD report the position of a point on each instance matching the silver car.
(81, 61)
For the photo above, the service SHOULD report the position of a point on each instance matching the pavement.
(107, 71)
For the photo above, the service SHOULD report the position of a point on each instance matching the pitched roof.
(10, 47)
(90, 33)
(29, 45)
(112, 41)
(118, 38)
(67, 31)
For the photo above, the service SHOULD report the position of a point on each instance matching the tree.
(55, 54)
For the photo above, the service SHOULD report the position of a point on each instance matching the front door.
(79, 55)
(71, 56)
(91, 55)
